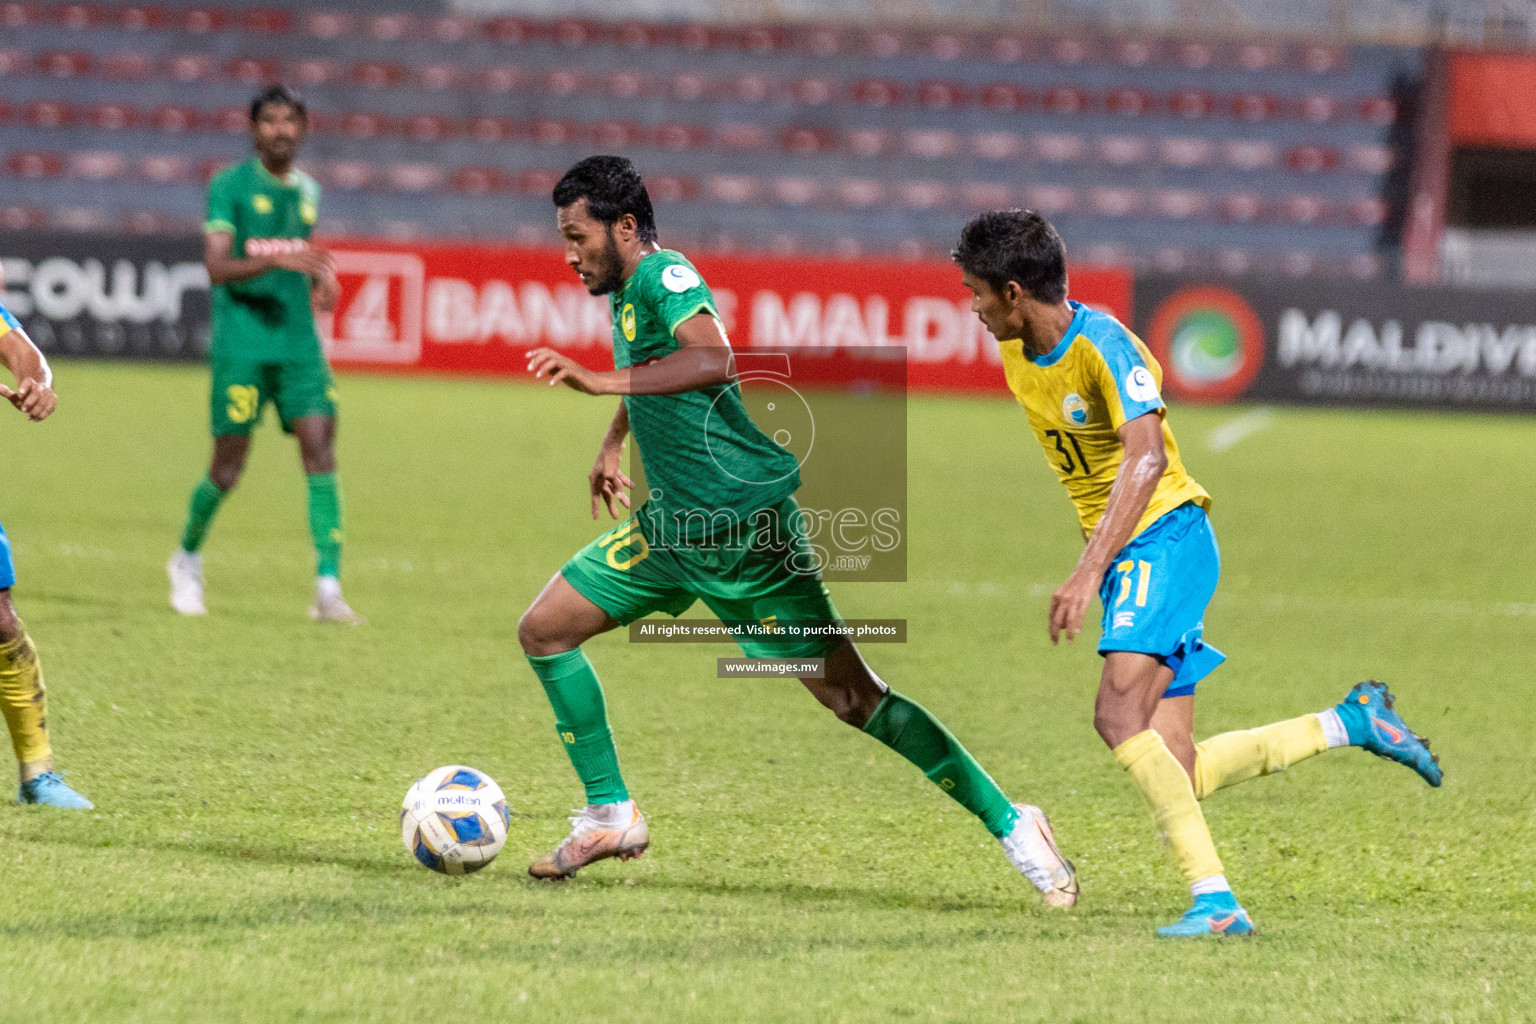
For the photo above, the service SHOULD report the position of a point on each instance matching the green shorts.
(767, 577)
(241, 390)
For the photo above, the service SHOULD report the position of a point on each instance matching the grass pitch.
(244, 863)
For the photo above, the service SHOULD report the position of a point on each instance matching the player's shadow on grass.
(820, 895)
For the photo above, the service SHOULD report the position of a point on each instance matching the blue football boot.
(1371, 723)
(49, 788)
(1214, 913)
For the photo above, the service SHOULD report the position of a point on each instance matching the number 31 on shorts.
(1141, 572)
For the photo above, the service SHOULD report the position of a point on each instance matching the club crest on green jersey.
(627, 321)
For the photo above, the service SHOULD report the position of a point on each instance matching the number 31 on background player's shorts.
(1155, 593)
(241, 390)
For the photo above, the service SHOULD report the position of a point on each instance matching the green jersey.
(707, 465)
(267, 318)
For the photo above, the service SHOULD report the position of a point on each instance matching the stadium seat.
(814, 92)
(1186, 152)
(80, 218)
(1259, 56)
(1007, 49)
(883, 45)
(997, 145)
(389, 28)
(549, 132)
(49, 114)
(327, 24)
(988, 195)
(476, 181)
(924, 195)
(312, 71)
(796, 191)
(1318, 107)
(1368, 212)
(490, 129)
(1070, 52)
(96, 165)
(867, 141)
(112, 117)
(1194, 55)
(1115, 202)
(347, 175)
(536, 182)
(748, 89)
(1135, 53)
(509, 31)
(860, 193)
(253, 71)
(1059, 147)
(680, 138)
(1311, 159)
(638, 35)
(1124, 150)
(1380, 110)
(173, 120)
(672, 188)
(190, 67)
(498, 80)
(731, 188)
(685, 88)
(166, 169)
(930, 144)
(1304, 209)
(265, 22)
(1067, 100)
(1371, 158)
(1003, 98)
(1191, 104)
(428, 127)
(127, 65)
(876, 92)
(821, 41)
(23, 218)
(64, 63)
(738, 136)
(34, 165)
(946, 46)
(415, 177)
(617, 135)
(1322, 58)
(1245, 155)
(762, 40)
(1243, 207)
(1180, 203)
(1129, 103)
(940, 95)
(360, 124)
(376, 74)
(1254, 106)
(561, 82)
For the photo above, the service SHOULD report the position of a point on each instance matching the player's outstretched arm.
(1146, 457)
(33, 393)
(704, 360)
(607, 480)
(224, 268)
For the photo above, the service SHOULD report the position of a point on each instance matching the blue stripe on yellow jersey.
(7, 322)
(1079, 395)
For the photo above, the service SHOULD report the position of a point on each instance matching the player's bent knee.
(541, 635)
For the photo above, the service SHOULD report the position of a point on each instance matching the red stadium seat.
(20, 15)
(364, 125)
(698, 38)
(1304, 209)
(190, 67)
(672, 188)
(390, 28)
(201, 21)
(1115, 202)
(748, 89)
(1124, 150)
(884, 45)
(987, 195)
(1180, 203)
(940, 95)
(49, 114)
(428, 127)
(1071, 52)
(1318, 107)
(80, 218)
(451, 28)
(1311, 159)
(1259, 56)
(1184, 152)
(946, 46)
(806, 141)
(1007, 49)
(347, 175)
(796, 191)
(997, 145)
(23, 218)
(1243, 207)
(686, 88)
(34, 165)
(1254, 106)
(64, 63)
(821, 41)
(574, 33)
(314, 71)
(1323, 58)
(1248, 156)
(1105, 254)
(1129, 103)
(561, 82)
(328, 24)
(166, 169)
(1380, 110)
(1369, 158)
(1363, 266)
(924, 195)
(680, 138)
(876, 92)
(229, 120)
(624, 85)
(762, 40)
(1194, 55)
(617, 135)
(415, 177)
(80, 17)
(814, 92)
(173, 120)
(266, 22)
(476, 181)
(207, 168)
(377, 74)
(490, 129)
(1171, 259)
(112, 117)
(1135, 53)
(1058, 147)
(731, 188)
(637, 35)
(1368, 212)
(151, 222)
(1191, 104)
(537, 182)
(867, 142)
(1067, 100)
(549, 132)
(127, 66)
(499, 80)
(860, 193)
(1003, 98)
(930, 144)
(1298, 263)
(747, 137)
(96, 165)
(13, 61)
(7, 112)
(509, 31)
(1235, 261)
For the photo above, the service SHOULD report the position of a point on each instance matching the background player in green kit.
(266, 277)
(719, 525)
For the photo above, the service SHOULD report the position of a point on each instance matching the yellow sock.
(23, 699)
(1175, 811)
(1234, 757)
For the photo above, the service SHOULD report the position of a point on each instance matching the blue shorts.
(7, 567)
(1155, 594)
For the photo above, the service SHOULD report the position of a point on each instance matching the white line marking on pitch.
(1234, 430)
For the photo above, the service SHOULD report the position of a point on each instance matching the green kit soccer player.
(720, 524)
(266, 278)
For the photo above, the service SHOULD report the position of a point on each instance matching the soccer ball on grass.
(454, 820)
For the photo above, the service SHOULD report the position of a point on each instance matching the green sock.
(205, 502)
(325, 522)
(911, 730)
(581, 718)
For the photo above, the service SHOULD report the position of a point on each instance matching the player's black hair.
(278, 94)
(612, 187)
(1015, 245)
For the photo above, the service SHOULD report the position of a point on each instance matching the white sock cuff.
(1334, 733)
(1208, 884)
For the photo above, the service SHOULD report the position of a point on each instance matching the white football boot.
(597, 832)
(329, 606)
(1032, 849)
(186, 572)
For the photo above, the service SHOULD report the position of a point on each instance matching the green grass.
(244, 862)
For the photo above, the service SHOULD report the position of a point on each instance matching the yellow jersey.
(1078, 397)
